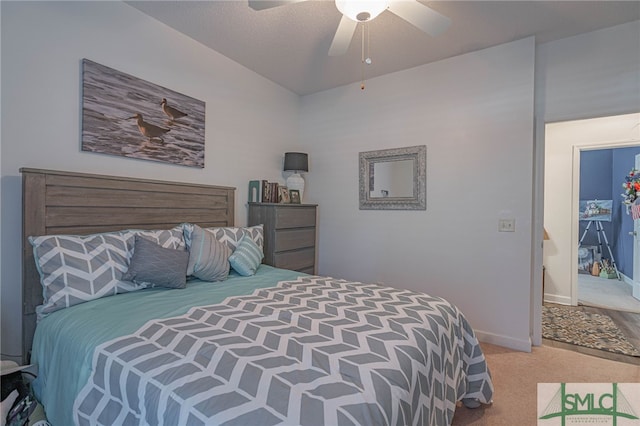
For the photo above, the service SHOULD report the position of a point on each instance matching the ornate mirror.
(393, 179)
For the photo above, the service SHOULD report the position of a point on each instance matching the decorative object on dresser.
(296, 162)
(283, 195)
(266, 191)
(289, 234)
(270, 192)
(255, 191)
(263, 191)
(168, 126)
(294, 195)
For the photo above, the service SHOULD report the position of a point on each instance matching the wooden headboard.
(58, 202)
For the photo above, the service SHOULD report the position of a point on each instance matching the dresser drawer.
(291, 239)
(295, 217)
(295, 260)
(289, 234)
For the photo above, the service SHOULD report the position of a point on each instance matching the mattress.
(279, 347)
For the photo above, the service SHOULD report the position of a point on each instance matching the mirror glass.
(393, 179)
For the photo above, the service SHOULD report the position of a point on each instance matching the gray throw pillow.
(157, 265)
(208, 257)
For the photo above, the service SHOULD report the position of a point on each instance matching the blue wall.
(623, 162)
(602, 172)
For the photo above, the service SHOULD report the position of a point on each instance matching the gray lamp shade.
(296, 161)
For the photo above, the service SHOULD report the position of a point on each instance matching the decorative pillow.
(208, 257)
(170, 238)
(187, 230)
(247, 257)
(75, 269)
(231, 236)
(159, 266)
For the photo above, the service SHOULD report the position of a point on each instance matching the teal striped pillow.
(247, 257)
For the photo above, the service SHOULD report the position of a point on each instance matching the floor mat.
(596, 331)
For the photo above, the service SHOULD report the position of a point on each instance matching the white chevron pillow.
(231, 236)
(75, 269)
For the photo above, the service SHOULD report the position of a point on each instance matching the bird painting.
(114, 103)
(149, 130)
(171, 112)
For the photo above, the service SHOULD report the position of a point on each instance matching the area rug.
(591, 330)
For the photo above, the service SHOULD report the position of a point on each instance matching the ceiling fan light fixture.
(362, 10)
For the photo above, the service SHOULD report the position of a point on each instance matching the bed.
(254, 345)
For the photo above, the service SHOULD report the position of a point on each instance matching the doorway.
(563, 143)
(607, 248)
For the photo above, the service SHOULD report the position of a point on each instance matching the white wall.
(596, 74)
(475, 115)
(250, 121)
(593, 75)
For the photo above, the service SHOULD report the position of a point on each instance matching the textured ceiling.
(289, 44)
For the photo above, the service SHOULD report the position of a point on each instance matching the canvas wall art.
(598, 210)
(127, 116)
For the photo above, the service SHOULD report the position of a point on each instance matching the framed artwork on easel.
(596, 210)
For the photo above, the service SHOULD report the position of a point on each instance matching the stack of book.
(263, 191)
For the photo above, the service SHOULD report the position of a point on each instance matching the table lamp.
(296, 162)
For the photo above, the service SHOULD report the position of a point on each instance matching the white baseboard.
(523, 345)
(633, 286)
(554, 298)
(627, 280)
(630, 283)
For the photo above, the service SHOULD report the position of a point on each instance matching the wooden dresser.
(289, 234)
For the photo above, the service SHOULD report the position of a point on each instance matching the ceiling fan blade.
(342, 39)
(268, 4)
(420, 16)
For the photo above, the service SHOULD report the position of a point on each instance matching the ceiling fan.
(356, 11)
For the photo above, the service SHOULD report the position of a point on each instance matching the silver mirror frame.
(418, 154)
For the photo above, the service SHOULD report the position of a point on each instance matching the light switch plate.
(506, 225)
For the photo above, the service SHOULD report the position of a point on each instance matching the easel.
(600, 229)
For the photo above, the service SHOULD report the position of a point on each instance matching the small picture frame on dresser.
(294, 195)
(283, 195)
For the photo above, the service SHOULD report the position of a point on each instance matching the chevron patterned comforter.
(313, 351)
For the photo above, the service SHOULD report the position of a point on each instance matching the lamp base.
(295, 181)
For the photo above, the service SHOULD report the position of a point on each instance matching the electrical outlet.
(506, 225)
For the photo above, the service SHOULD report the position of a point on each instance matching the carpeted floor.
(516, 376)
(595, 331)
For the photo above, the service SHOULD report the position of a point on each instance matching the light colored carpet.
(516, 375)
(606, 293)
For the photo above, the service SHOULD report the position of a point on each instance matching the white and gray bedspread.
(314, 351)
